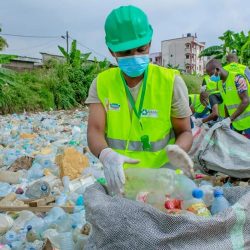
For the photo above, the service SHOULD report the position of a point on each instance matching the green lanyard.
(130, 97)
(146, 146)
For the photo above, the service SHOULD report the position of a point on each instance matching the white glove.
(225, 123)
(180, 159)
(198, 122)
(113, 169)
(203, 88)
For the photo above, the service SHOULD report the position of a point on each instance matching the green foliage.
(58, 85)
(193, 83)
(3, 42)
(170, 66)
(232, 42)
(6, 75)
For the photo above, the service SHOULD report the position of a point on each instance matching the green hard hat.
(126, 28)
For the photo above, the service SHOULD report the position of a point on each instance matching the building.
(156, 58)
(46, 57)
(23, 63)
(183, 52)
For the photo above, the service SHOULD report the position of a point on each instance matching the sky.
(84, 20)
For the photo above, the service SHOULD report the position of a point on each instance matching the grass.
(193, 83)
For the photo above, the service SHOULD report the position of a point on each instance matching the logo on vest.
(149, 113)
(114, 106)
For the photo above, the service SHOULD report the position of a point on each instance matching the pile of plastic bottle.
(53, 130)
(174, 193)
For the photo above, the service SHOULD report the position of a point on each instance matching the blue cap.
(218, 192)
(29, 227)
(80, 200)
(197, 193)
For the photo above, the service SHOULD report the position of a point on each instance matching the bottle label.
(199, 209)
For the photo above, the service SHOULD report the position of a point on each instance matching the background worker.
(138, 110)
(234, 66)
(210, 88)
(235, 92)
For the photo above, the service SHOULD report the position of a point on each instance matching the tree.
(3, 42)
(232, 43)
(6, 76)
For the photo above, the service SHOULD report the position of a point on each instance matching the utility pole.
(67, 41)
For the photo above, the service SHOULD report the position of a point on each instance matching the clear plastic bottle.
(5, 189)
(53, 215)
(156, 199)
(148, 180)
(220, 203)
(66, 241)
(183, 186)
(208, 191)
(196, 204)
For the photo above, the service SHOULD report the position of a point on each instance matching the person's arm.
(180, 115)
(96, 128)
(242, 88)
(213, 116)
(183, 133)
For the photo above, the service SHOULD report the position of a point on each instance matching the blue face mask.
(133, 66)
(215, 78)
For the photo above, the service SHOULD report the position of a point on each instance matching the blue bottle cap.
(44, 187)
(218, 192)
(29, 227)
(197, 193)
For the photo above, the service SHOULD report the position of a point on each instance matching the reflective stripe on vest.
(137, 145)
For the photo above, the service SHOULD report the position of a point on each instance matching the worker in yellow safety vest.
(199, 105)
(210, 87)
(235, 92)
(234, 66)
(138, 112)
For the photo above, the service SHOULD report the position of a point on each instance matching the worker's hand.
(225, 123)
(113, 169)
(180, 159)
(198, 122)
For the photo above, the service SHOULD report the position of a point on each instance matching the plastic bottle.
(11, 236)
(220, 203)
(38, 190)
(10, 177)
(6, 222)
(196, 204)
(5, 189)
(148, 180)
(66, 241)
(53, 215)
(183, 186)
(156, 199)
(208, 191)
(35, 172)
(31, 235)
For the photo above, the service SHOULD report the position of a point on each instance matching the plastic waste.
(220, 203)
(196, 204)
(31, 235)
(80, 184)
(140, 180)
(208, 191)
(10, 177)
(53, 215)
(66, 241)
(38, 189)
(6, 222)
(183, 186)
(5, 189)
